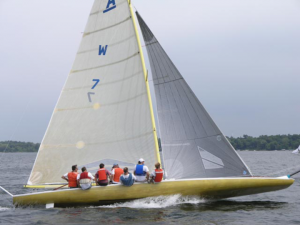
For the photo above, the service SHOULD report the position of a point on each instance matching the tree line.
(18, 146)
(263, 142)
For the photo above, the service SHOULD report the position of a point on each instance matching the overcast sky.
(240, 57)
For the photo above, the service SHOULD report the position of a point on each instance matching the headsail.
(192, 145)
(103, 112)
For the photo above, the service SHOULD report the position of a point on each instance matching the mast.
(146, 82)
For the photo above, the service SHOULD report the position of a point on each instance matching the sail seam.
(197, 138)
(151, 43)
(165, 82)
(109, 104)
(96, 67)
(110, 45)
(97, 143)
(105, 83)
(105, 28)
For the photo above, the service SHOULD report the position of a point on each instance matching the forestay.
(103, 112)
(192, 144)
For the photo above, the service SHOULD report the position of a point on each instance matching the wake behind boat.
(105, 115)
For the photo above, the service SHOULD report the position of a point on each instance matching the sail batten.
(192, 145)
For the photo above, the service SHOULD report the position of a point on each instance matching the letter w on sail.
(102, 50)
(108, 8)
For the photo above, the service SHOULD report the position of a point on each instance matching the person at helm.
(141, 171)
(71, 177)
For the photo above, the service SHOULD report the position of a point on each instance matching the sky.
(241, 58)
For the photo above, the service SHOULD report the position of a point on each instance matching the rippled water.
(281, 207)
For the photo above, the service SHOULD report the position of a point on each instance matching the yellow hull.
(205, 188)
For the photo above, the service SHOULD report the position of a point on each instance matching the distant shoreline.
(244, 143)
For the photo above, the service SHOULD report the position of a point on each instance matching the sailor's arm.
(65, 177)
(78, 178)
(147, 172)
(95, 179)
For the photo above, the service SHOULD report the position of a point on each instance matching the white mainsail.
(104, 110)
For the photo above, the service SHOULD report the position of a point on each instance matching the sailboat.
(296, 151)
(105, 115)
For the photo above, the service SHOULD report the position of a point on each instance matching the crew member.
(141, 171)
(127, 179)
(84, 180)
(116, 173)
(71, 177)
(101, 177)
(157, 175)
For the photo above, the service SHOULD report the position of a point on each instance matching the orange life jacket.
(72, 179)
(118, 173)
(159, 173)
(102, 174)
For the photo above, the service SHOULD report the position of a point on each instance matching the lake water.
(281, 207)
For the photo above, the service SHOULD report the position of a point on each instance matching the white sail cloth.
(103, 111)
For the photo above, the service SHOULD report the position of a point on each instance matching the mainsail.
(104, 111)
(192, 144)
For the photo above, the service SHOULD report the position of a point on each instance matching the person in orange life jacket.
(127, 179)
(71, 177)
(115, 174)
(157, 175)
(101, 177)
(141, 171)
(84, 180)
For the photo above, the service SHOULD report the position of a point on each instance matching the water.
(281, 207)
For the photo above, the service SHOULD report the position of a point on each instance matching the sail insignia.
(209, 160)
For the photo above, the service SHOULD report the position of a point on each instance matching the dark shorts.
(102, 183)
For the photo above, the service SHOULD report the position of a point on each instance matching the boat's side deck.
(206, 188)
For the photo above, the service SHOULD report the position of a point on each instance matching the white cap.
(141, 160)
